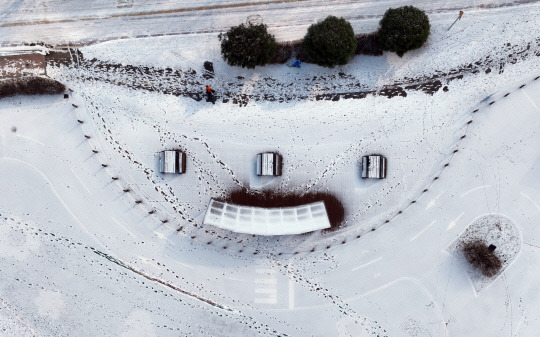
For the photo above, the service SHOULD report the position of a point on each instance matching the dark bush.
(30, 86)
(334, 207)
(482, 258)
(403, 29)
(330, 42)
(8, 88)
(285, 51)
(368, 44)
(247, 46)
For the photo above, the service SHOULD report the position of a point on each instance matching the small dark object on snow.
(66, 96)
(209, 70)
(492, 248)
(75, 106)
(210, 97)
(208, 66)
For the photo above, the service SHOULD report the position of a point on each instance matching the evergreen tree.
(403, 29)
(330, 42)
(247, 46)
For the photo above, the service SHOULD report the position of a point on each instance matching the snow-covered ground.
(84, 254)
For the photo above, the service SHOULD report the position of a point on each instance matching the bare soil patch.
(21, 65)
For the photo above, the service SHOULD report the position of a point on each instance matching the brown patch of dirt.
(21, 65)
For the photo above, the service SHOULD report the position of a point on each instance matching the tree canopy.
(403, 29)
(330, 42)
(247, 46)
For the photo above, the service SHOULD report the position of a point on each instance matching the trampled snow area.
(96, 242)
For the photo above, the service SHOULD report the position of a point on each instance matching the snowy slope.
(85, 254)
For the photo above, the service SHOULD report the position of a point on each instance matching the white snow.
(81, 257)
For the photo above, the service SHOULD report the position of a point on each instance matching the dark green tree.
(330, 42)
(247, 46)
(403, 29)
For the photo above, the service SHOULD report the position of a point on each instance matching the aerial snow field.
(94, 241)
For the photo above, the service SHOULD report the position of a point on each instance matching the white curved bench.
(267, 221)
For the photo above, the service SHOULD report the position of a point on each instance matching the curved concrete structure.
(267, 221)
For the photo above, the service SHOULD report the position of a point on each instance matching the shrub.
(482, 258)
(330, 42)
(368, 44)
(403, 29)
(8, 88)
(247, 46)
(286, 50)
(30, 86)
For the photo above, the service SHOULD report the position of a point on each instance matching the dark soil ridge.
(190, 83)
(30, 85)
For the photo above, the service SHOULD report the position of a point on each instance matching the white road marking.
(57, 195)
(432, 202)
(530, 100)
(266, 286)
(162, 236)
(291, 294)
(291, 285)
(31, 139)
(453, 222)
(81, 181)
(422, 231)
(266, 281)
(367, 264)
(474, 189)
(517, 327)
(534, 203)
(271, 297)
(124, 228)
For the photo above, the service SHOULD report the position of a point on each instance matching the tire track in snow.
(222, 310)
(345, 309)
